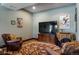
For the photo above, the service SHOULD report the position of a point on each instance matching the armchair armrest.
(51, 52)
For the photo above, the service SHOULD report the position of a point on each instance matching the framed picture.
(64, 22)
(19, 22)
(13, 22)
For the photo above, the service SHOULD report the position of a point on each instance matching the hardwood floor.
(30, 40)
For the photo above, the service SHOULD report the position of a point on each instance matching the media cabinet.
(49, 38)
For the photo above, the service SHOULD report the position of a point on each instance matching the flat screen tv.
(48, 27)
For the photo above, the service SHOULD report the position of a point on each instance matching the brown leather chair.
(61, 35)
(70, 48)
(12, 45)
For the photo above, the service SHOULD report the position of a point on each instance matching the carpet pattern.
(33, 47)
(37, 48)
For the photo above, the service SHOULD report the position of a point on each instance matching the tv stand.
(49, 38)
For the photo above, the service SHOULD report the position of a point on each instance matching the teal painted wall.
(77, 35)
(53, 15)
(7, 15)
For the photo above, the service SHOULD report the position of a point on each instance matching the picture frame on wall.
(19, 22)
(13, 22)
(64, 22)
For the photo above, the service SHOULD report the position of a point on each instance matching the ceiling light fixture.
(33, 7)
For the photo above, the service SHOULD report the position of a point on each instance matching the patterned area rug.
(37, 48)
(33, 47)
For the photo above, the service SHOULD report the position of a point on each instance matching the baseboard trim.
(30, 39)
(34, 38)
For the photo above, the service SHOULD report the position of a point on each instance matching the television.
(48, 27)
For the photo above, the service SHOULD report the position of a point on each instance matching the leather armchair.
(12, 43)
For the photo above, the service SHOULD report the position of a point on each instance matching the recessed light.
(33, 7)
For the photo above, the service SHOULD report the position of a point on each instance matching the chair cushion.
(13, 36)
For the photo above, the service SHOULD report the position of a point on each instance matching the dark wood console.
(49, 38)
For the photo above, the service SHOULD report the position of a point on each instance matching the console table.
(49, 38)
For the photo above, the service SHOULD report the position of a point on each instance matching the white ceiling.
(39, 6)
(46, 6)
(16, 6)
